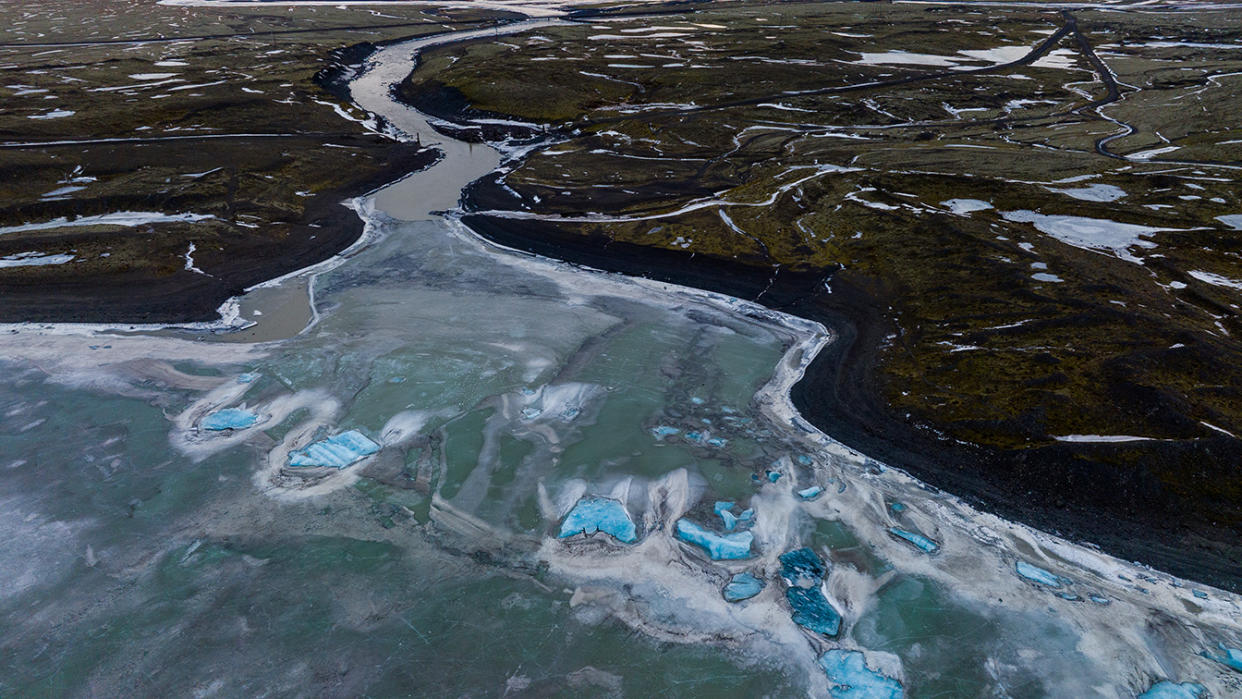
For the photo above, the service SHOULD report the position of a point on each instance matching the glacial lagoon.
(395, 522)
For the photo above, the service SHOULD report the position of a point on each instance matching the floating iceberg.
(1173, 690)
(1232, 657)
(662, 431)
(718, 546)
(810, 493)
(606, 515)
(1037, 574)
(812, 611)
(334, 452)
(851, 678)
(742, 586)
(917, 540)
(802, 568)
(229, 419)
(723, 510)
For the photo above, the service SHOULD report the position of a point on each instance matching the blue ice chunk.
(802, 568)
(1069, 596)
(897, 507)
(915, 539)
(850, 678)
(530, 413)
(812, 611)
(718, 442)
(606, 515)
(809, 493)
(804, 459)
(229, 419)
(1231, 657)
(1100, 600)
(1172, 690)
(694, 436)
(1037, 574)
(335, 452)
(841, 488)
(696, 400)
(741, 587)
(662, 431)
(747, 516)
(774, 476)
(1200, 594)
(397, 379)
(723, 510)
(247, 377)
(718, 546)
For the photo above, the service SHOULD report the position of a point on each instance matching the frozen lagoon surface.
(504, 389)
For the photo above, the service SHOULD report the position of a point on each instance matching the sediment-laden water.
(147, 552)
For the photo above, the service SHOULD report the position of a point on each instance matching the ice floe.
(229, 419)
(915, 539)
(802, 568)
(812, 611)
(718, 546)
(1036, 574)
(1173, 690)
(338, 451)
(1229, 657)
(741, 587)
(804, 571)
(605, 515)
(850, 678)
